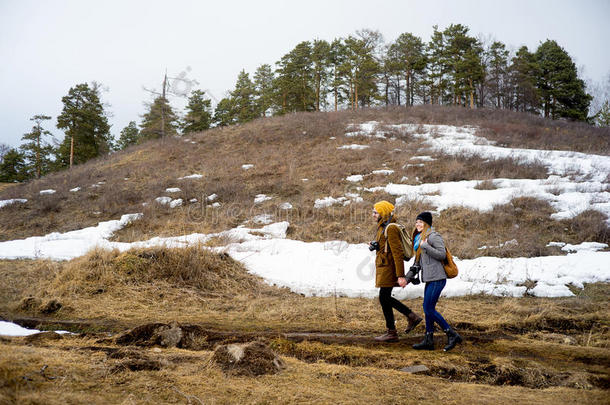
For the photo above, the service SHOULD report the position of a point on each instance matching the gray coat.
(432, 253)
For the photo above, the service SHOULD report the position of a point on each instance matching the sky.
(46, 47)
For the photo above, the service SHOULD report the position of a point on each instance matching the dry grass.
(85, 376)
(528, 349)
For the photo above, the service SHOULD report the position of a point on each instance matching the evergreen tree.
(130, 135)
(463, 54)
(263, 85)
(336, 58)
(408, 51)
(602, 118)
(85, 123)
(159, 121)
(320, 57)
(295, 80)
(243, 99)
(497, 66)
(361, 67)
(37, 151)
(562, 92)
(522, 73)
(438, 67)
(198, 113)
(13, 167)
(224, 114)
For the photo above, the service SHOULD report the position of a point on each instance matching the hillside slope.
(296, 159)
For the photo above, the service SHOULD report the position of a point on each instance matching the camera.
(412, 275)
(374, 246)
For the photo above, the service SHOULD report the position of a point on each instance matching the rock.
(420, 368)
(248, 359)
(169, 337)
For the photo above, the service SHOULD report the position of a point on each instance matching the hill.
(286, 201)
(295, 159)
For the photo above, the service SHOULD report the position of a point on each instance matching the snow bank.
(325, 269)
(64, 246)
(328, 268)
(12, 329)
(567, 198)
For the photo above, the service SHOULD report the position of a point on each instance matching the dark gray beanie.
(426, 217)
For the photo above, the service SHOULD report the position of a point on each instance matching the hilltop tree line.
(453, 68)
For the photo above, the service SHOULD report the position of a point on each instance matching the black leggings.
(387, 303)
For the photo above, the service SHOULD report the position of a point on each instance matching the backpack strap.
(385, 233)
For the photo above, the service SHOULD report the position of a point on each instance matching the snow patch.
(192, 176)
(4, 203)
(45, 192)
(260, 198)
(354, 147)
(355, 178)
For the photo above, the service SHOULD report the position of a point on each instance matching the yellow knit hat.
(384, 208)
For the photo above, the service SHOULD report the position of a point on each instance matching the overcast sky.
(46, 47)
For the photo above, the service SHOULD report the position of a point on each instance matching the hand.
(402, 282)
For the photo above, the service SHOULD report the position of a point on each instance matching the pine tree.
(602, 118)
(336, 59)
(463, 54)
(224, 114)
(497, 57)
(562, 92)
(522, 73)
(438, 67)
(198, 113)
(13, 167)
(130, 135)
(263, 85)
(85, 123)
(295, 80)
(243, 99)
(320, 57)
(409, 54)
(159, 121)
(37, 151)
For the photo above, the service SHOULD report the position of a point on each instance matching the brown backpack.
(449, 265)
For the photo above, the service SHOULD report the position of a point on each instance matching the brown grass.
(527, 349)
(526, 220)
(302, 148)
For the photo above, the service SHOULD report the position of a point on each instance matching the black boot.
(452, 339)
(427, 343)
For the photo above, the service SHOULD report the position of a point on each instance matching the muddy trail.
(535, 356)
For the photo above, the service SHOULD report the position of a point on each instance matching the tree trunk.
(71, 150)
(407, 88)
(38, 153)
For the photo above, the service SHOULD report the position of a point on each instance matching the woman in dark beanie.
(390, 271)
(430, 252)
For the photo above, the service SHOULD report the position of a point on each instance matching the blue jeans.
(432, 293)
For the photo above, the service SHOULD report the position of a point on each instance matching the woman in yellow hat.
(390, 271)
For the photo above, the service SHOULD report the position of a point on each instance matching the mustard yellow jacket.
(389, 264)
